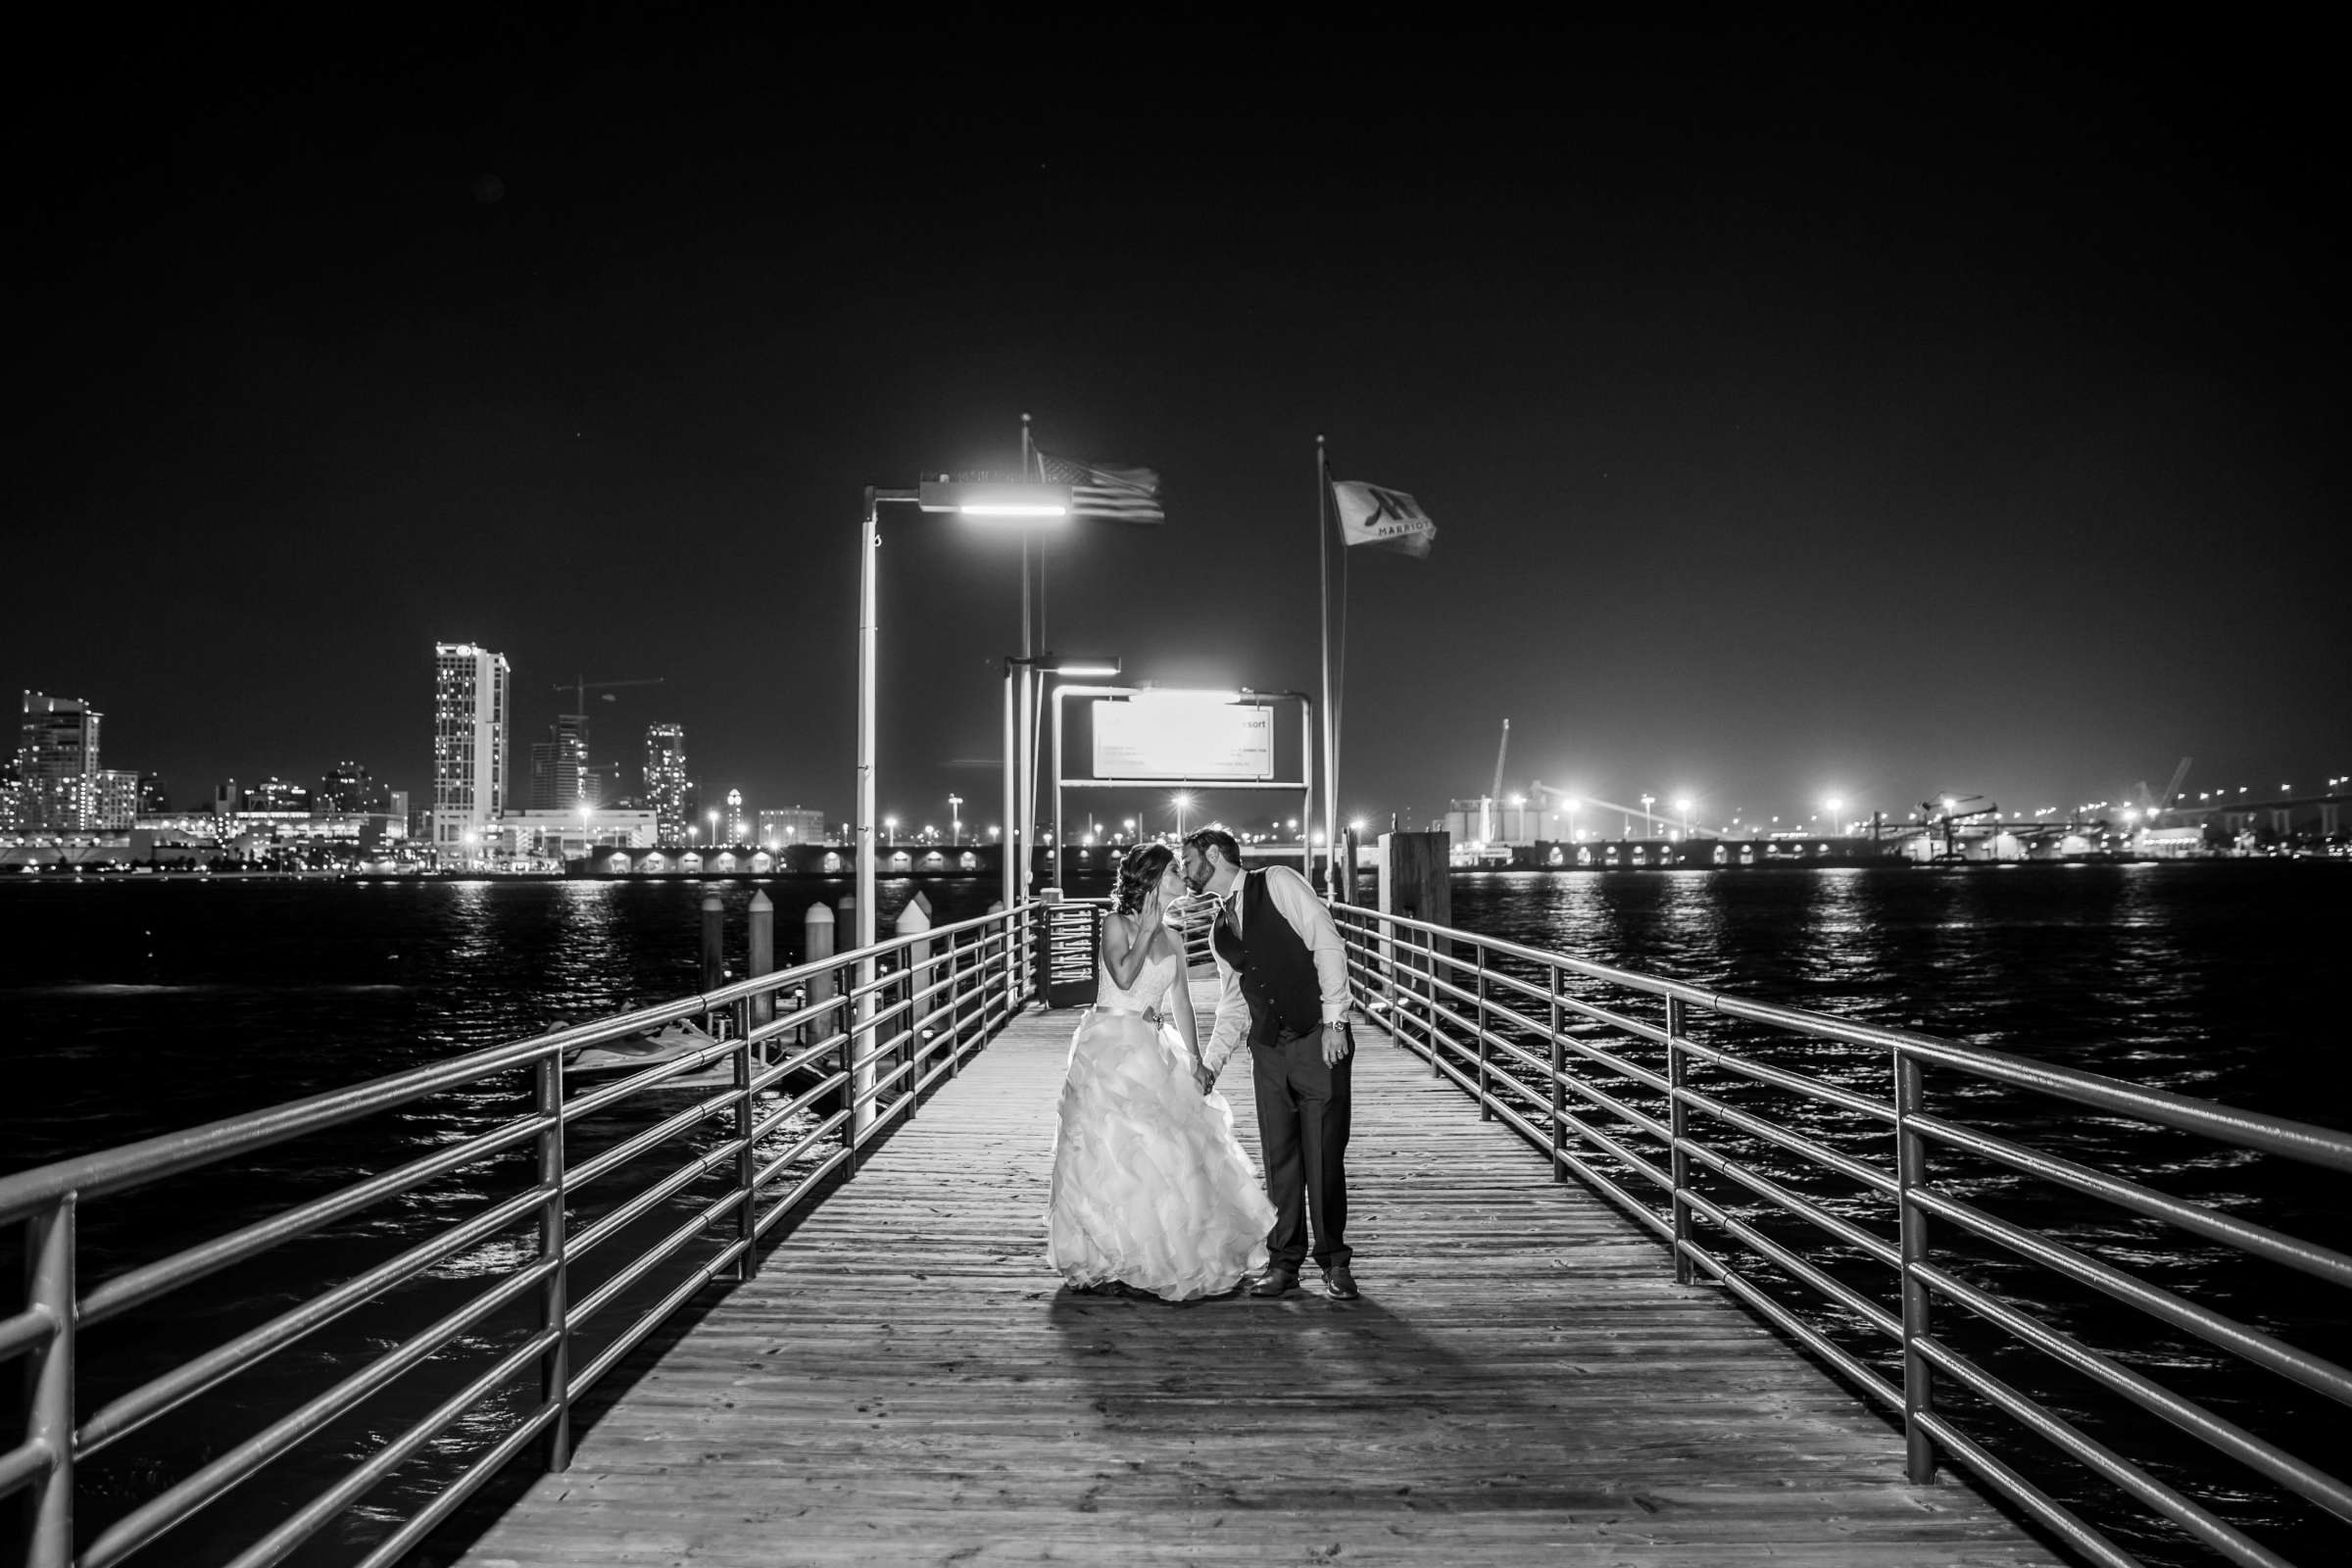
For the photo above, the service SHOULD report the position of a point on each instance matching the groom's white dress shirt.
(1295, 897)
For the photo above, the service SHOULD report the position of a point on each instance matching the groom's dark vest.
(1277, 970)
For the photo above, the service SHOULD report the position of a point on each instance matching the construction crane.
(581, 686)
(2156, 805)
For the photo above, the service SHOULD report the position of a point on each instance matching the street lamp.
(714, 816)
(1023, 503)
(955, 819)
(1184, 803)
(1683, 805)
(1836, 808)
(1646, 824)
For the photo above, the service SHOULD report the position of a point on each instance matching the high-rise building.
(781, 827)
(346, 787)
(57, 764)
(738, 830)
(114, 798)
(539, 794)
(562, 779)
(469, 747)
(154, 798)
(275, 794)
(665, 779)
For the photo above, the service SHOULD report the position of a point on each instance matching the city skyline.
(1714, 806)
(1935, 408)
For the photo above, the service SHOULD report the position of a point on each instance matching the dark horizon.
(1885, 415)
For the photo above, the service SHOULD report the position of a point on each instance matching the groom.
(1285, 975)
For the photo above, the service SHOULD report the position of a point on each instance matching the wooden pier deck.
(1521, 1382)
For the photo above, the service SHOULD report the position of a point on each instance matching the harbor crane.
(1540, 790)
(1953, 815)
(2156, 805)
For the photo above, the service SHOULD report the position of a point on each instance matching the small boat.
(648, 1048)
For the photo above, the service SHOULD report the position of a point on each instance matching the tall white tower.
(469, 748)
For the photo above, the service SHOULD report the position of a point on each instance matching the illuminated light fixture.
(989, 499)
(1181, 694)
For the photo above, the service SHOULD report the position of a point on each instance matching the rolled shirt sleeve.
(1295, 897)
(1232, 1028)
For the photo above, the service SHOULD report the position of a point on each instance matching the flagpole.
(1331, 771)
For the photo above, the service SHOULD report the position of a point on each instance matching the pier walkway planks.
(1522, 1382)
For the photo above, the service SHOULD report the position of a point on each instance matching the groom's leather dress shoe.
(1274, 1282)
(1339, 1283)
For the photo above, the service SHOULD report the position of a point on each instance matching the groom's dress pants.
(1302, 1125)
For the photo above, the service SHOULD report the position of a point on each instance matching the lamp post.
(955, 820)
(1011, 501)
(1837, 822)
(1683, 805)
(714, 816)
(1019, 802)
(1648, 826)
(1183, 804)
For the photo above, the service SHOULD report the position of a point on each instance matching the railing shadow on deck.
(1796, 1160)
(473, 1342)
(1344, 1379)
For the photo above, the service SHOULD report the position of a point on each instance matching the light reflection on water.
(2213, 980)
(143, 1008)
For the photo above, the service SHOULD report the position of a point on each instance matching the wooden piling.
(763, 955)
(715, 948)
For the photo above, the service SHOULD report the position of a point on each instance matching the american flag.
(1118, 495)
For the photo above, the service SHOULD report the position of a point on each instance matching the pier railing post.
(747, 1117)
(49, 1247)
(955, 951)
(1911, 1174)
(1486, 1093)
(1559, 1091)
(1678, 1125)
(555, 1291)
(1426, 988)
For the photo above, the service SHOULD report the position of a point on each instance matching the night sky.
(1802, 413)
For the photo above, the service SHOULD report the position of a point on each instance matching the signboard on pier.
(1182, 737)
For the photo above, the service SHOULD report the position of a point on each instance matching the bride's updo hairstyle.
(1140, 872)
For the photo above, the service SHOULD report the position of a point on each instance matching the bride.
(1152, 1190)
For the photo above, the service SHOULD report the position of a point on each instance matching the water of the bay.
(143, 1004)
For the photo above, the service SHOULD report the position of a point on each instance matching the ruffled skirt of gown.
(1150, 1187)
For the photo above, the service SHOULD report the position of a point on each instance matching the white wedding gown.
(1150, 1187)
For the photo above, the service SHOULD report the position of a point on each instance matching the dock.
(904, 1380)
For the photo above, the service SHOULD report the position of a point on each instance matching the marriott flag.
(1116, 495)
(1388, 519)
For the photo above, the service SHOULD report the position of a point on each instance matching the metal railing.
(808, 1092)
(1674, 1128)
